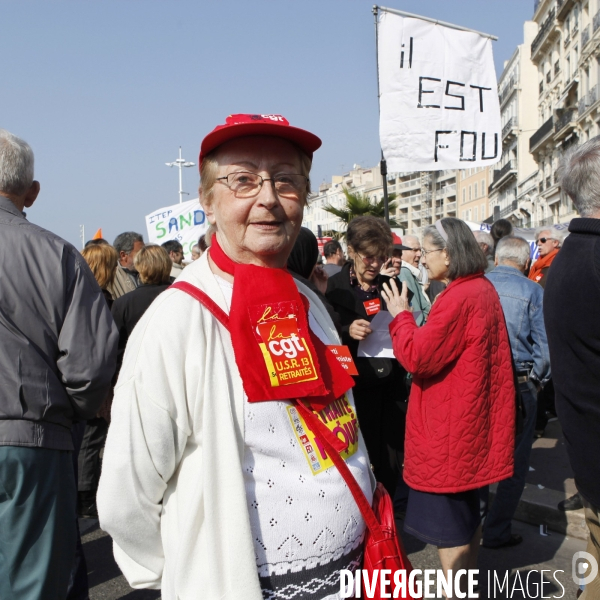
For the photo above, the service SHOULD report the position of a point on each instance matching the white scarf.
(416, 272)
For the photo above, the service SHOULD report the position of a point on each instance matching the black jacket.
(346, 304)
(129, 308)
(572, 316)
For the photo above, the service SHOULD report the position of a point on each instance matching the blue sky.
(105, 91)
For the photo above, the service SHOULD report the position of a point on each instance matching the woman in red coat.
(461, 414)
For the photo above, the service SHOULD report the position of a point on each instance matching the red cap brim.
(307, 141)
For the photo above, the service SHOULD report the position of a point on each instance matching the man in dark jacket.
(58, 348)
(573, 327)
(127, 245)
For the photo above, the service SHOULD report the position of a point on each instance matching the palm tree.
(357, 205)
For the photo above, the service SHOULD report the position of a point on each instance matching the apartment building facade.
(566, 52)
(513, 186)
(368, 182)
(421, 198)
(472, 193)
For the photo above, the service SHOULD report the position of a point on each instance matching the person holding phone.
(380, 392)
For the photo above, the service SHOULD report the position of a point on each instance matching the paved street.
(554, 552)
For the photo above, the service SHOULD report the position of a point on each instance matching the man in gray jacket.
(58, 346)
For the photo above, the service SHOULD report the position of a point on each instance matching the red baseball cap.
(242, 125)
(398, 245)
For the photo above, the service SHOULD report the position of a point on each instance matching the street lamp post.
(180, 163)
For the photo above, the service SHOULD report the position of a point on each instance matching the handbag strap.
(204, 299)
(332, 444)
(327, 440)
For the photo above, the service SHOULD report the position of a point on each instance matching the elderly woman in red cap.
(213, 483)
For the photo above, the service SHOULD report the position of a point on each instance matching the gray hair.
(580, 177)
(124, 241)
(483, 237)
(556, 233)
(513, 249)
(16, 164)
(464, 253)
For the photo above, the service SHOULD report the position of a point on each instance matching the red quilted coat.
(460, 425)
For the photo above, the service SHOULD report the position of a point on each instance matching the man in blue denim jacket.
(522, 303)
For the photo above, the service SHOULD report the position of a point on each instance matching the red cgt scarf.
(277, 354)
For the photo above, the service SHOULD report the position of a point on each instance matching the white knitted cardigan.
(172, 492)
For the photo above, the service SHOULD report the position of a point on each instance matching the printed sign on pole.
(184, 222)
(439, 105)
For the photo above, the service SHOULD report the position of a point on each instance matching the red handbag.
(382, 547)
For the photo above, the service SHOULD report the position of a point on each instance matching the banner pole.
(403, 13)
(382, 164)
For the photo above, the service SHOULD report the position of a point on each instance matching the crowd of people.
(187, 406)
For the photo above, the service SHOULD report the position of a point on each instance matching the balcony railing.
(507, 89)
(451, 206)
(510, 208)
(543, 32)
(586, 101)
(449, 190)
(596, 21)
(564, 120)
(507, 168)
(409, 184)
(541, 133)
(510, 125)
(585, 36)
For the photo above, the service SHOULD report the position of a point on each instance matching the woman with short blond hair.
(154, 267)
(153, 264)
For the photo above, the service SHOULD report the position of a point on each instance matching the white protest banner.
(184, 222)
(439, 105)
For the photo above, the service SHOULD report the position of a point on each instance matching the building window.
(476, 214)
(475, 191)
(464, 193)
(470, 194)
(483, 187)
(483, 215)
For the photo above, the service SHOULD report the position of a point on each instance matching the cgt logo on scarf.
(286, 353)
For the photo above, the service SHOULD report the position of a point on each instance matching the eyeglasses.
(543, 240)
(369, 260)
(415, 249)
(426, 252)
(246, 185)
